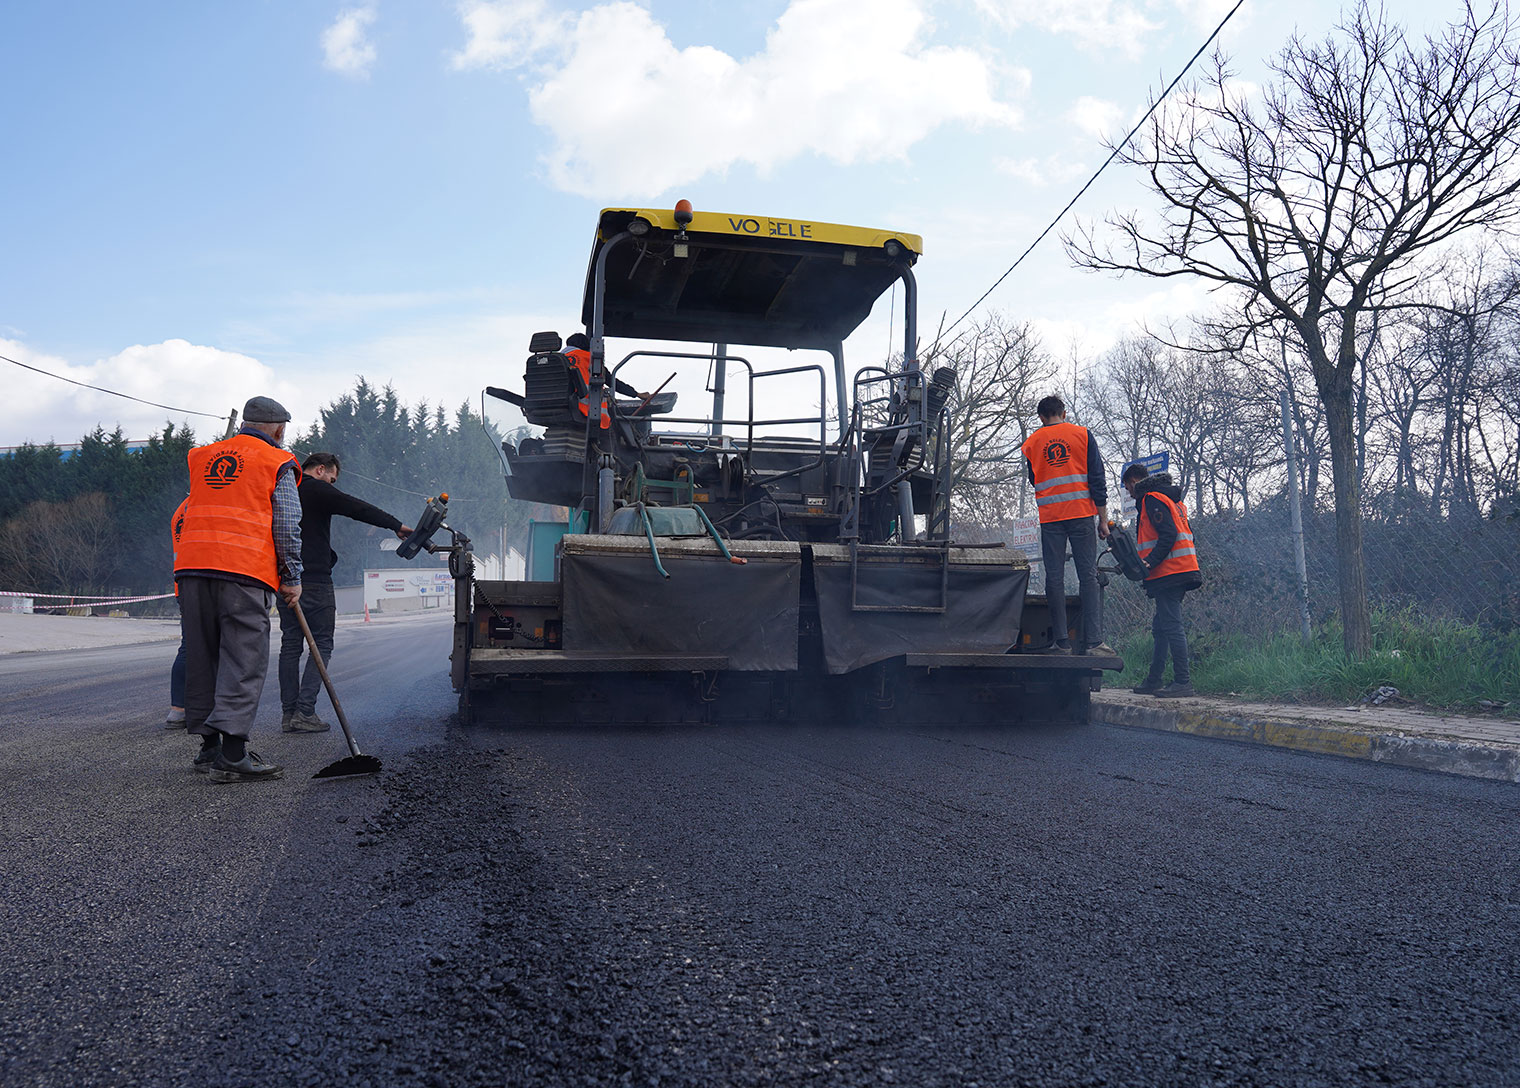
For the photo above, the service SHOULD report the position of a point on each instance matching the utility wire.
(114, 393)
(404, 490)
(1120, 146)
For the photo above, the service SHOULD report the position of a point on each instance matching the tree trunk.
(1349, 562)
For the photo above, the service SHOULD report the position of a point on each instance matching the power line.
(393, 487)
(1120, 146)
(102, 389)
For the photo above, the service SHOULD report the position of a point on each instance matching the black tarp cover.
(983, 606)
(615, 602)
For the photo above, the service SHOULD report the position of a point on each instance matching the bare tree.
(1122, 396)
(1365, 157)
(1001, 372)
(61, 547)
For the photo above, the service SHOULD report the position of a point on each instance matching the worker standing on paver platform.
(240, 545)
(1067, 473)
(1164, 539)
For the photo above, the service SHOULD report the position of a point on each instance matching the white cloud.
(1051, 170)
(507, 33)
(1097, 117)
(186, 376)
(631, 113)
(346, 47)
(1094, 24)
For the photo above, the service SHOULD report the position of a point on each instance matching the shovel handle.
(332, 693)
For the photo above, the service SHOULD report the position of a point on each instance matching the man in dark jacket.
(320, 500)
(1164, 539)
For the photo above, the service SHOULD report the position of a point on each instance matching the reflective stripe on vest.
(1057, 456)
(582, 360)
(1184, 554)
(228, 521)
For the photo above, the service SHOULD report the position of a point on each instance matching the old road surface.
(797, 904)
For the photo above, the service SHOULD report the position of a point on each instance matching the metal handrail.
(750, 422)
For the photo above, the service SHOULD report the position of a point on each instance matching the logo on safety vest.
(223, 470)
(179, 527)
(1056, 454)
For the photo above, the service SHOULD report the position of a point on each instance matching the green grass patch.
(1440, 663)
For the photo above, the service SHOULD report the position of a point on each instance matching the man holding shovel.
(320, 500)
(239, 546)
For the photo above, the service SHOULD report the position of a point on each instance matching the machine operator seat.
(552, 384)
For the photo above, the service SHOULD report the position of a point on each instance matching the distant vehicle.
(713, 569)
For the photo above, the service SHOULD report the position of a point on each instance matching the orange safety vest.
(1184, 555)
(1057, 453)
(228, 521)
(177, 526)
(581, 358)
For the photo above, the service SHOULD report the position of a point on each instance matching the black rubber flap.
(982, 610)
(618, 603)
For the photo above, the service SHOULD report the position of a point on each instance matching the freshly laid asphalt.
(938, 905)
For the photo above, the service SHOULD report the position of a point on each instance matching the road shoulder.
(1486, 747)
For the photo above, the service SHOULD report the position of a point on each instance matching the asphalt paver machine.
(721, 566)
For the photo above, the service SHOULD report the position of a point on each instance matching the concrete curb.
(1472, 759)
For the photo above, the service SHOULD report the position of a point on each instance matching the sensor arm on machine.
(429, 523)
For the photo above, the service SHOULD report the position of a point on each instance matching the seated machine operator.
(578, 351)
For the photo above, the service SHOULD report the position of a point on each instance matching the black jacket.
(319, 502)
(1160, 517)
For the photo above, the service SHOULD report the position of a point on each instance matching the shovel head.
(350, 765)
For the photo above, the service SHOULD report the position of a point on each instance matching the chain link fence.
(1432, 568)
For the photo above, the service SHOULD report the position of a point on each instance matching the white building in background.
(493, 568)
(409, 589)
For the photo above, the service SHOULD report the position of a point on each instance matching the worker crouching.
(1164, 539)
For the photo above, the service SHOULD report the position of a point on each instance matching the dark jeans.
(1167, 634)
(1082, 534)
(225, 627)
(298, 692)
(177, 675)
(177, 670)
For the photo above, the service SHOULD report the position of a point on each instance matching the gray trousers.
(1082, 534)
(225, 628)
(298, 691)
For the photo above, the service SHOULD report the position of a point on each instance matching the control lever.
(429, 523)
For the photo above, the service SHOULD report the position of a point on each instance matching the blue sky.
(201, 202)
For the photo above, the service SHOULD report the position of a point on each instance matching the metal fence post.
(1296, 517)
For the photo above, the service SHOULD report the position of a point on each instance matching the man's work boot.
(1176, 691)
(285, 716)
(302, 722)
(175, 719)
(1147, 687)
(251, 768)
(1102, 649)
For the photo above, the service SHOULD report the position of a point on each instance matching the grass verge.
(1439, 663)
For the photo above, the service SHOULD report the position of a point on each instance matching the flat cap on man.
(265, 410)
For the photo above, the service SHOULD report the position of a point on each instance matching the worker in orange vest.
(176, 716)
(238, 546)
(578, 351)
(1164, 539)
(1072, 496)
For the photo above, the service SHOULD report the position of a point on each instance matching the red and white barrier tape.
(79, 601)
